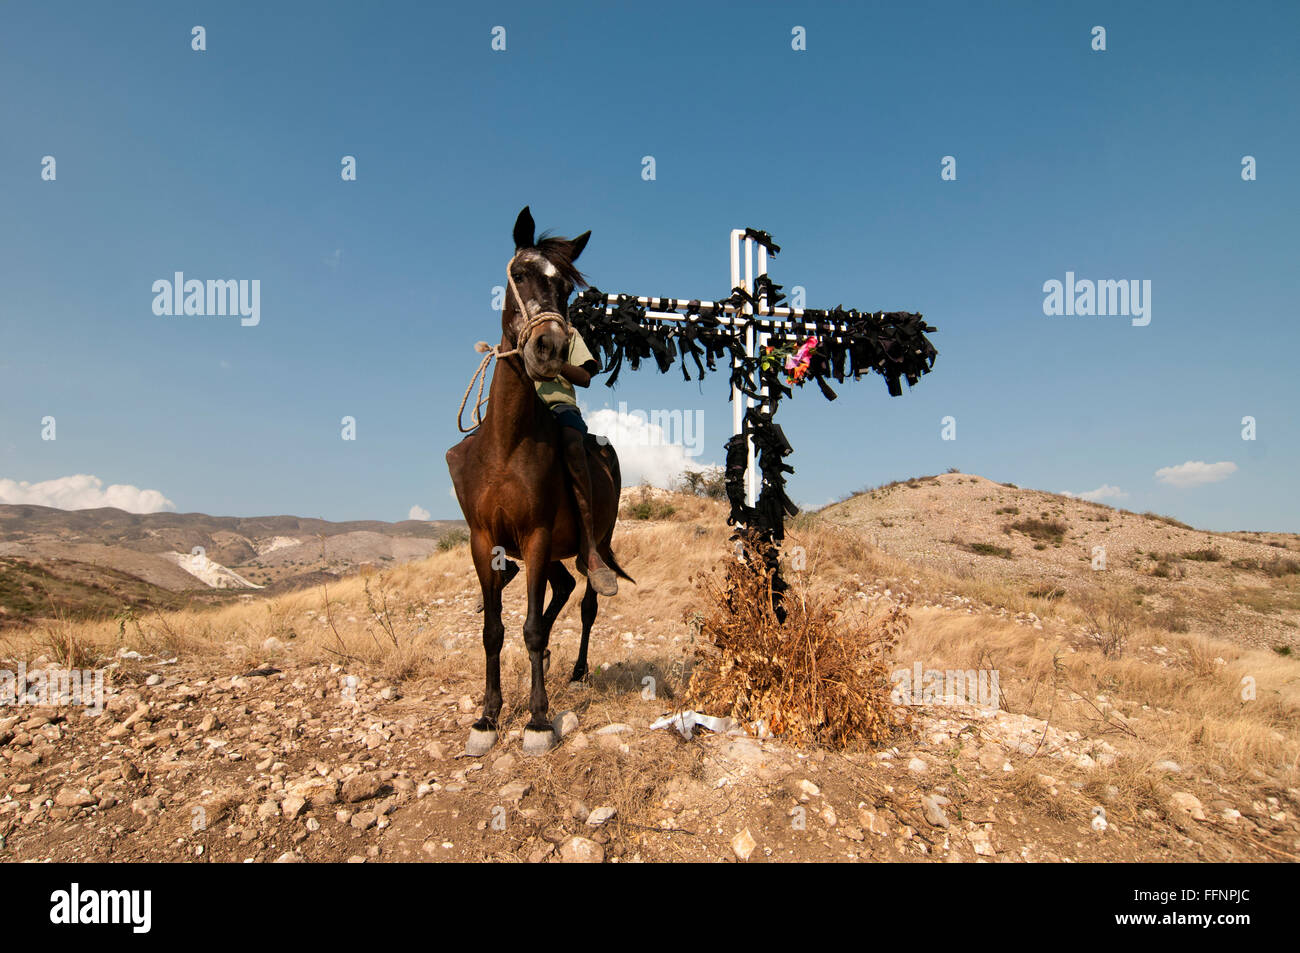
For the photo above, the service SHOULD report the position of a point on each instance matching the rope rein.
(493, 351)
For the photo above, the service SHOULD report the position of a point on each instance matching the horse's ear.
(578, 244)
(524, 229)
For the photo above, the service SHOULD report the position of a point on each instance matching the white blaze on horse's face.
(541, 288)
(540, 292)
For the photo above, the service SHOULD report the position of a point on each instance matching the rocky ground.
(291, 763)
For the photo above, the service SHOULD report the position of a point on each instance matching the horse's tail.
(612, 563)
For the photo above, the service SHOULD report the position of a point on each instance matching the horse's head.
(542, 276)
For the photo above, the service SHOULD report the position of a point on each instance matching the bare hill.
(1242, 585)
(95, 553)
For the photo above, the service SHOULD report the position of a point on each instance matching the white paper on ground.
(686, 721)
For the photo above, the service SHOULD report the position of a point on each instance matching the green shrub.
(1044, 529)
(453, 538)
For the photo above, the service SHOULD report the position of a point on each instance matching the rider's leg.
(600, 576)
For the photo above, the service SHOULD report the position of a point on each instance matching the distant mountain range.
(87, 562)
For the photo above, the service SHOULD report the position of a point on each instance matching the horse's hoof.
(480, 742)
(538, 741)
(603, 580)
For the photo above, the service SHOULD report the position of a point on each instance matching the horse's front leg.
(538, 735)
(483, 734)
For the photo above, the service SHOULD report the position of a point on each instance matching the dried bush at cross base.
(819, 676)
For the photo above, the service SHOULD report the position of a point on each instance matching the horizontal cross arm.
(680, 309)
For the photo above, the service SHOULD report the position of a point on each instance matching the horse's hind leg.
(588, 617)
(483, 734)
(562, 586)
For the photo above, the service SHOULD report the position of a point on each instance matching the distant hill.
(1245, 585)
(87, 562)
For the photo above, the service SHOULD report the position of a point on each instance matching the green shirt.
(559, 391)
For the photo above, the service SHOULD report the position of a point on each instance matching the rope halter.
(492, 351)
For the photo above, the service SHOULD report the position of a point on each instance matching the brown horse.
(513, 487)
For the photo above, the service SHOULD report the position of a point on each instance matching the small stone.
(874, 823)
(1189, 804)
(917, 766)
(581, 850)
(982, 841)
(992, 758)
(293, 805)
(146, 806)
(807, 787)
(436, 751)
(288, 857)
(1167, 767)
(68, 796)
(316, 791)
(600, 815)
(743, 844)
(932, 805)
(362, 787)
(504, 764)
(565, 724)
(515, 791)
(364, 820)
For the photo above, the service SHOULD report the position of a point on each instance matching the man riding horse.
(531, 482)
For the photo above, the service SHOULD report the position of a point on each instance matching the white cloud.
(644, 452)
(84, 492)
(1196, 473)
(418, 512)
(1103, 492)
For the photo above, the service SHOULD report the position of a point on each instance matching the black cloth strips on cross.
(850, 344)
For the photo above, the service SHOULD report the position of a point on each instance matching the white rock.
(565, 724)
(581, 850)
(932, 805)
(600, 815)
(743, 844)
(1189, 804)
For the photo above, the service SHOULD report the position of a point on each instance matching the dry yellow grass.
(817, 673)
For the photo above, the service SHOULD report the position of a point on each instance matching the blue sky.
(1122, 164)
